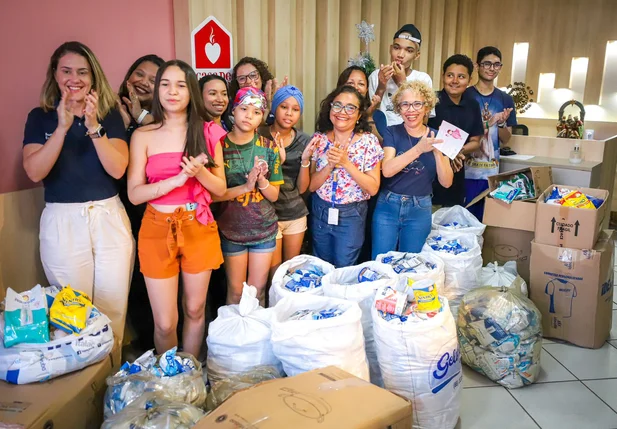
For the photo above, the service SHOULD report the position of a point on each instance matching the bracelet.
(305, 166)
(142, 116)
(265, 187)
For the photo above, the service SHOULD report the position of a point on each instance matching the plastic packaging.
(523, 183)
(59, 356)
(25, 317)
(420, 360)
(154, 410)
(578, 200)
(70, 310)
(458, 219)
(505, 193)
(223, 389)
(426, 295)
(298, 277)
(343, 283)
(239, 338)
(503, 275)
(461, 270)
(304, 345)
(147, 375)
(500, 332)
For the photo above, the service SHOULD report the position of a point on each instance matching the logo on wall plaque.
(211, 49)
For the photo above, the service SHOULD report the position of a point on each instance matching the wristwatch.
(98, 133)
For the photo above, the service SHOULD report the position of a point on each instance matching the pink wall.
(118, 31)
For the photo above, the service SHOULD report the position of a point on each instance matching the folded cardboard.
(573, 289)
(71, 401)
(571, 227)
(323, 398)
(540, 177)
(504, 244)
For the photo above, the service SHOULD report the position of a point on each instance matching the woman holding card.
(403, 214)
(344, 175)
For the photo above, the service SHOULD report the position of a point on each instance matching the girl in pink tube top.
(176, 165)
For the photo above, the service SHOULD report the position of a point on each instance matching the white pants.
(90, 246)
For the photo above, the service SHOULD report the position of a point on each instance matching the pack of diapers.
(25, 317)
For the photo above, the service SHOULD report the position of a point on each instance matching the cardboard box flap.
(540, 177)
(327, 397)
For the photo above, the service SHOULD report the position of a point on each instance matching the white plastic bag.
(304, 345)
(462, 270)
(503, 275)
(343, 283)
(500, 332)
(445, 218)
(435, 273)
(239, 338)
(420, 360)
(154, 410)
(278, 289)
(28, 363)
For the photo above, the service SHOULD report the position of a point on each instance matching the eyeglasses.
(338, 107)
(486, 65)
(253, 76)
(406, 105)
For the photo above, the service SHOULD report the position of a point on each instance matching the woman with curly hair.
(402, 217)
(345, 173)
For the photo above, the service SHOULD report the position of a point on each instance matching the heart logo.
(213, 52)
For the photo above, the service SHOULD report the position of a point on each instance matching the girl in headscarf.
(296, 149)
(247, 219)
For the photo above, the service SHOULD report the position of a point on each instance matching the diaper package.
(70, 310)
(25, 317)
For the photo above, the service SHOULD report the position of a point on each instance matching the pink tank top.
(167, 164)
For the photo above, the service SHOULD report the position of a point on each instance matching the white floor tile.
(547, 341)
(586, 363)
(472, 378)
(552, 370)
(614, 343)
(605, 389)
(614, 326)
(492, 407)
(568, 405)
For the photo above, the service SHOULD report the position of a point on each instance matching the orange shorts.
(169, 242)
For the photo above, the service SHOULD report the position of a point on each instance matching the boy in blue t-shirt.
(498, 117)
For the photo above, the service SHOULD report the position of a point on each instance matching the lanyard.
(335, 172)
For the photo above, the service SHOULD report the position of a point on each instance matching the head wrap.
(251, 96)
(284, 93)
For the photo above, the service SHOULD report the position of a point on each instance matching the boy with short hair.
(384, 82)
(498, 116)
(459, 108)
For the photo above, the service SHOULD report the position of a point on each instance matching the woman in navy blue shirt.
(402, 218)
(75, 142)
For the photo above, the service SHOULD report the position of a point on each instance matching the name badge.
(332, 216)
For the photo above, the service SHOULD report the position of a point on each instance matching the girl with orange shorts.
(176, 165)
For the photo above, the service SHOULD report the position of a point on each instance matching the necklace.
(245, 169)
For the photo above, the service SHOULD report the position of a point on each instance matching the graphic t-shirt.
(249, 218)
(485, 162)
(386, 106)
(290, 205)
(561, 293)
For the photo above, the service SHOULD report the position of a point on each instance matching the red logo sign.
(211, 48)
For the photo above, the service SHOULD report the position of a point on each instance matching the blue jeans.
(233, 249)
(339, 244)
(402, 220)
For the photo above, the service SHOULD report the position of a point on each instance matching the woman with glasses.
(345, 173)
(402, 217)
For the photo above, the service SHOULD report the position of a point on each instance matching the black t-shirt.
(290, 204)
(78, 175)
(466, 116)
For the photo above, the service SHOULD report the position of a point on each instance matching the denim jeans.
(338, 244)
(400, 223)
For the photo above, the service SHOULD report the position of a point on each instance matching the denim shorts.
(234, 249)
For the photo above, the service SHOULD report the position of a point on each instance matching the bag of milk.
(458, 219)
(25, 317)
(299, 276)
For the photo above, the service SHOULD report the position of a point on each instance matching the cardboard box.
(71, 401)
(504, 244)
(569, 226)
(521, 214)
(323, 398)
(573, 289)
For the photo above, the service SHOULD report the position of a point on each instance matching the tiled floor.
(577, 389)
